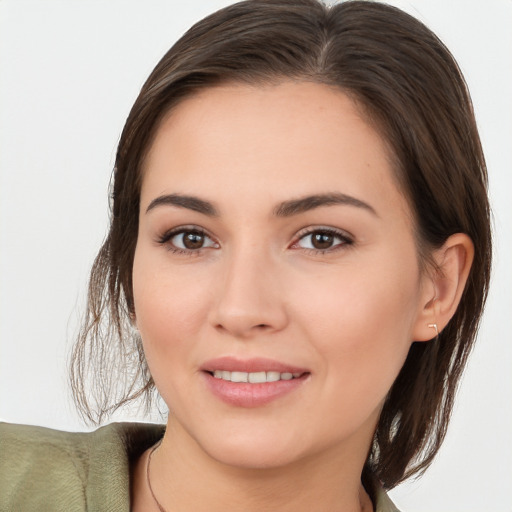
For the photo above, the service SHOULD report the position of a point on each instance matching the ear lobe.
(453, 262)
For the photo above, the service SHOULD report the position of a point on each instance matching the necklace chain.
(162, 509)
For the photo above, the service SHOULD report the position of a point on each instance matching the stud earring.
(434, 326)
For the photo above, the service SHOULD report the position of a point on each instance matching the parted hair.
(410, 88)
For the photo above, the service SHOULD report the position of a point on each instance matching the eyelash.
(169, 235)
(346, 240)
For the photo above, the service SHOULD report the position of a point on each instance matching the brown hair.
(411, 88)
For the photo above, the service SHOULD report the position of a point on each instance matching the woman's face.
(274, 247)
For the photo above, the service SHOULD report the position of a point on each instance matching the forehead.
(276, 141)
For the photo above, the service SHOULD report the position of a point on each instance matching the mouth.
(255, 377)
(253, 382)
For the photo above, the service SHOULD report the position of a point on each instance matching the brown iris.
(193, 240)
(322, 240)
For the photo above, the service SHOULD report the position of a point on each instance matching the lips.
(232, 364)
(251, 382)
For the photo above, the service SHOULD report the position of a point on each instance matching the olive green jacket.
(48, 470)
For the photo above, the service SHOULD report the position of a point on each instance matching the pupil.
(322, 240)
(193, 240)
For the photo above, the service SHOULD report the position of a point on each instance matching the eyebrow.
(182, 201)
(284, 209)
(304, 204)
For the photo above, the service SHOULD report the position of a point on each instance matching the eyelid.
(167, 236)
(346, 237)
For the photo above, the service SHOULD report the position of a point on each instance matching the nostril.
(263, 328)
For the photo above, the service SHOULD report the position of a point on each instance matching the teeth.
(254, 377)
(239, 377)
(273, 376)
(257, 377)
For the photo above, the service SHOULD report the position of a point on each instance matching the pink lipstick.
(251, 382)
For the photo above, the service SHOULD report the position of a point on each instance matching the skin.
(259, 288)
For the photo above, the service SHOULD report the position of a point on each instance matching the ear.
(444, 286)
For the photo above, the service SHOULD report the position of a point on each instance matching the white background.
(69, 72)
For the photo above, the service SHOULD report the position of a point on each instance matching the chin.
(251, 451)
(254, 457)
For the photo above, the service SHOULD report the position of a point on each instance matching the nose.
(249, 297)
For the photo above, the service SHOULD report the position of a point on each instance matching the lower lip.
(243, 394)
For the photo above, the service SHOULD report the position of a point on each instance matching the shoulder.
(383, 502)
(69, 470)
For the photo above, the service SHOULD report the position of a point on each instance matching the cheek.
(170, 310)
(170, 307)
(361, 322)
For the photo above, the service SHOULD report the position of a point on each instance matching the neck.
(184, 478)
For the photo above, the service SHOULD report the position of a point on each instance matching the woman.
(300, 241)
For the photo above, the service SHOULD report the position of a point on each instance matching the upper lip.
(259, 364)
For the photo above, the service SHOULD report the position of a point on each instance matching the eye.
(323, 240)
(190, 240)
(186, 240)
